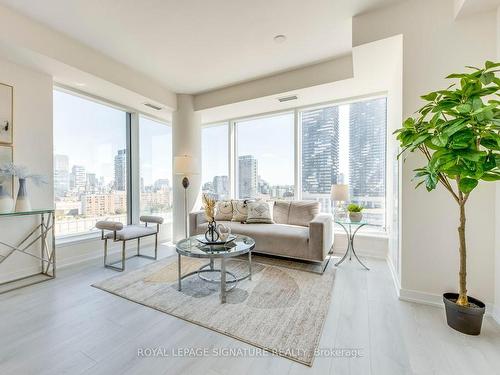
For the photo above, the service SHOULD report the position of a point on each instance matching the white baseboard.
(495, 313)
(394, 274)
(437, 301)
(431, 299)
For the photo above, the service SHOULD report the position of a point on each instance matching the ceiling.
(193, 46)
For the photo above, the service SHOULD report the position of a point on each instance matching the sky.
(91, 134)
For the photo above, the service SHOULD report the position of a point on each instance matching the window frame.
(137, 158)
(233, 154)
(235, 145)
(133, 160)
(227, 124)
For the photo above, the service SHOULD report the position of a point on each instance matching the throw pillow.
(240, 210)
(302, 212)
(223, 211)
(260, 212)
(281, 211)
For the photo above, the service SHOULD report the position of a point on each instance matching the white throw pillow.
(240, 210)
(223, 211)
(260, 212)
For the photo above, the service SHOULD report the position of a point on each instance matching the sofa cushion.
(277, 239)
(302, 212)
(280, 212)
(223, 210)
(260, 212)
(240, 210)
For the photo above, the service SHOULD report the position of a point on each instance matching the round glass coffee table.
(191, 247)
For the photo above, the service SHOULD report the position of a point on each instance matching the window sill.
(77, 238)
(381, 235)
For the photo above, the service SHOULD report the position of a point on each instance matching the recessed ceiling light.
(80, 84)
(280, 38)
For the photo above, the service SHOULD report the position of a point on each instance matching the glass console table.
(347, 225)
(41, 234)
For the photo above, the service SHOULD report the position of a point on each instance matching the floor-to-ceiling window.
(215, 160)
(337, 143)
(155, 166)
(265, 157)
(90, 163)
(346, 144)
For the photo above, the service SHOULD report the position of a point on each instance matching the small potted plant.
(355, 214)
(458, 133)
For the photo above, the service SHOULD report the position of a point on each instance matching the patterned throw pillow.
(240, 210)
(223, 211)
(260, 212)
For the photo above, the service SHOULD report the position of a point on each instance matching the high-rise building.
(320, 149)
(121, 170)
(61, 174)
(247, 176)
(162, 183)
(92, 183)
(221, 187)
(78, 178)
(367, 128)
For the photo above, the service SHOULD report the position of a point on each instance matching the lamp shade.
(340, 192)
(185, 165)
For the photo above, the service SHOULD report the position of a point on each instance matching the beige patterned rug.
(282, 309)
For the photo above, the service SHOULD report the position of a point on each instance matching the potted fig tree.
(458, 132)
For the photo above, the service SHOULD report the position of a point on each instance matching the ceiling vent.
(287, 98)
(153, 106)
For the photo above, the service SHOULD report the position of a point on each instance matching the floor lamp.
(185, 165)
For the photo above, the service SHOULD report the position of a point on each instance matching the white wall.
(434, 46)
(497, 212)
(328, 71)
(33, 148)
(186, 139)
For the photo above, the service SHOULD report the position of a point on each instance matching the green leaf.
(487, 78)
(491, 64)
(491, 142)
(471, 155)
(461, 139)
(466, 185)
(409, 123)
(489, 162)
(457, 75)
(455, 127)
(420, 139)
(491, 176)
(440, 140)
(477, 103)
(464, 108)
(431, 181)
(430, 97)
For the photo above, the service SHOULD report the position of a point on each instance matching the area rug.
(281, 310)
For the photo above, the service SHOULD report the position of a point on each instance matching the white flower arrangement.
(21, 172)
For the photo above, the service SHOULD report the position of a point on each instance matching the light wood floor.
(65, 326)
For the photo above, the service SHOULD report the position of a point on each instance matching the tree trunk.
(462, 295)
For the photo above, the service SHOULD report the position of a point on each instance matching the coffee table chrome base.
(223, 275)
(350, 245)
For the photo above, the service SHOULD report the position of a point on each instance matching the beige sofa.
(299, 232)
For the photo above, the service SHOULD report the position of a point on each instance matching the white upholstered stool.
(117, 232)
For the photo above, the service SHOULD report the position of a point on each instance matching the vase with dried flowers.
(209, 207)
(20, 172)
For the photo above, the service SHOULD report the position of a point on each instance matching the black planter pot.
(465, 319)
